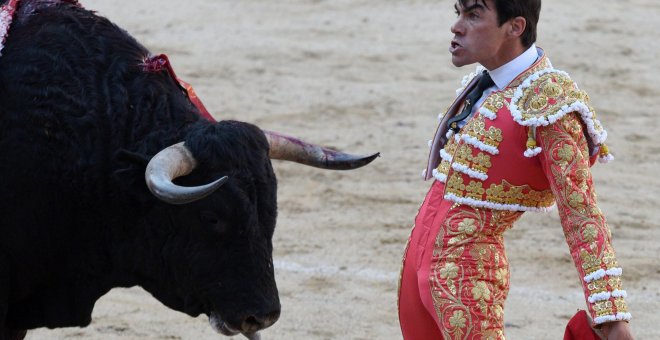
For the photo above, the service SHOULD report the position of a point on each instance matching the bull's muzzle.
(249, 327)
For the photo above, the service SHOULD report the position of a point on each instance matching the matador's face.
(477, 36)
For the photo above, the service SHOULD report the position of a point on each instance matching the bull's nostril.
(272, 317)
(253, 324)
(252, 320)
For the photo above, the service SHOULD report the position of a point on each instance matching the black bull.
(80, 120)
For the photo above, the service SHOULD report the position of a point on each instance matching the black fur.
(79, 119)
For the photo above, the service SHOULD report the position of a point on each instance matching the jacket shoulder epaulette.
(545, 97)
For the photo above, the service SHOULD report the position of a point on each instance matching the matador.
(527, 144)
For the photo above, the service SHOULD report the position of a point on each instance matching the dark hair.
(509, 9)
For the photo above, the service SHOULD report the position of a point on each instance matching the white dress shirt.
(504, 74)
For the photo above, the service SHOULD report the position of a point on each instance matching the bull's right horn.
(292, 149)
(170, 163)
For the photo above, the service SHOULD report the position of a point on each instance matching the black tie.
(484, 82)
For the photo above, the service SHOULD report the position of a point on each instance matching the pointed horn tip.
(371, 158)
(356, 163)
(186, 194)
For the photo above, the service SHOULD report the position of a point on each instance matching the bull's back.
(72, 95)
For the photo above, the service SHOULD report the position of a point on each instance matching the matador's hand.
(617, 330)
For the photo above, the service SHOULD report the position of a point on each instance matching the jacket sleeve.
(565, 162)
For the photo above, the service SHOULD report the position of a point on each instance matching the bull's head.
(227, 270)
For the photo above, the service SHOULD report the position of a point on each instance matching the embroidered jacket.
(528, 147)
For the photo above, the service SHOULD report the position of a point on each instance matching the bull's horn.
(292, 149)
(170, 163)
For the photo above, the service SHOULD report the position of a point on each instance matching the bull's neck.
(132, 246)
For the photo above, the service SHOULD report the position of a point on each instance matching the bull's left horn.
(292, 149)
(170, 163)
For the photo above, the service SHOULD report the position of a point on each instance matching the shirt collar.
(504, 74)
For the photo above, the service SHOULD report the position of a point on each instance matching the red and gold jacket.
(526, 148)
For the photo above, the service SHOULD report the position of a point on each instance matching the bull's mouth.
(220, 326)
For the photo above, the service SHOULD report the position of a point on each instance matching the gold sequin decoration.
(503, 193)
(480, 162)
(443, 168)
(590, 262)
(494, 102)
(621, 306)
(476, 128)
(444, 165)
(597, 286)
(603, 308)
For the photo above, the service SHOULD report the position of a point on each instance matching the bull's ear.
(128, 175)
(128, 167)
(131, 157)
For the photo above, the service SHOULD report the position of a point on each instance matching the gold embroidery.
(476, 128)
(538, 102)
(621, 306)
(502, 276)
(590, 263)
(492, 334)
(479, 162)
(548, 94)
(576, 200)
(450, 271)
(450, 148)
(597, 286)
(543, 64)
(577, 94)
(444, 167)
(503, 193)
(589, 233)
(566, 165)
(503, 218)
(470, 279)
(455, 184)
(457, 320)
(565, 154)
(481, 292)
(464, 154)
(603, 308)
(467, 226)
(476, 125)
(551, 89)
(475, 190)
(610, 259)
(614, 282)
(494, 102)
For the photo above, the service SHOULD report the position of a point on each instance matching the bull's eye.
(212, 220)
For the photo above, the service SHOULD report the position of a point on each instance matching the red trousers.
(455, 274)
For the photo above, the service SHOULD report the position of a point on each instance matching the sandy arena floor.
(372, 75)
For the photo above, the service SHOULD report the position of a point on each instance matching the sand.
(372, 75)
